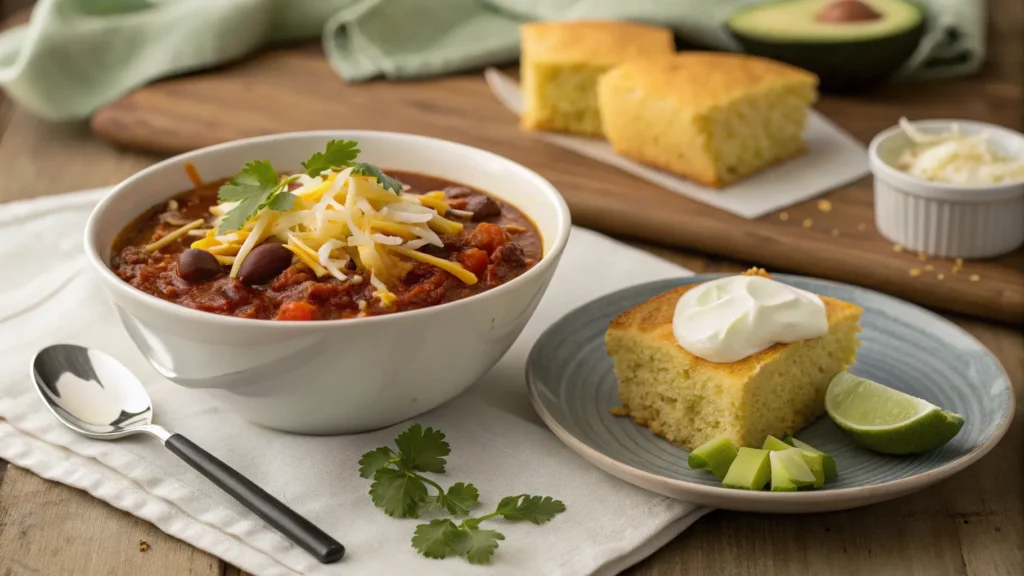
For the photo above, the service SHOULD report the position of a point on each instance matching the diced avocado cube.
(816, 464)
(828, 462)
(715, 455)
(789, 471)
(772, 444)
(788, 439)
(779, 481)
(751, 470)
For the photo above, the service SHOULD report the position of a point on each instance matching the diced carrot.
(474, 259)
(488, 237)
(297, 310)
(193, 174)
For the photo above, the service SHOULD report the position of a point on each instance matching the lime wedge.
(885, 420)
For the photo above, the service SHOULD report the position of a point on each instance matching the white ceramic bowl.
(338, 376)
(947, 220)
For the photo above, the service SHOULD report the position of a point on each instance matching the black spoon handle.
(287, 521)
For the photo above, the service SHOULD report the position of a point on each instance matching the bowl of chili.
(338, 282)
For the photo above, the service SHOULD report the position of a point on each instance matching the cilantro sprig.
(258, 185)
(401, 491)
(397, 486)
(442, 537)
(342, 154)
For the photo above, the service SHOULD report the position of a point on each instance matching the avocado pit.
(841, 11)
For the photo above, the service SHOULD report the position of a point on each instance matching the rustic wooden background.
(971, 524)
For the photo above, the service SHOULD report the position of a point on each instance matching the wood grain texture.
(294, 89)
(50, 529)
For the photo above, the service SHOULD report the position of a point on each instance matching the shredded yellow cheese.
(172, 236)
(338, 220)
(454, 268)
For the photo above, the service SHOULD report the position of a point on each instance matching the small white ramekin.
(947, 220)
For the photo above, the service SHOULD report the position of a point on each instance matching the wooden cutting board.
(295, 89)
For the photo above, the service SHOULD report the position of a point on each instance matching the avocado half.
(851, 45)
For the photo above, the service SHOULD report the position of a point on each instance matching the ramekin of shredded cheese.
(950, 188)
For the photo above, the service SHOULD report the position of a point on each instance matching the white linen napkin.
(833, 158)
(497, 440)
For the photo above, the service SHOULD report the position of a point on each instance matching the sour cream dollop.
(728, 319)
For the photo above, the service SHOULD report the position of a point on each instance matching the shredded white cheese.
(953, 158)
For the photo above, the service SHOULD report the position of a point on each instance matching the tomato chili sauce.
(497, 245)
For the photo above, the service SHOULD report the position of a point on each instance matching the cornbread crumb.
(897, 248)
(922, 256)
(959, 262)
(862, 227)
(619, 411)
(784, 216)
(808, 222)
(712, 117)
(941, 276)
(689, 401)
(824, 205)
(929, 268)
(915, 272)
(561, 62)
(955, 269)
(974, 278)
(143, 546)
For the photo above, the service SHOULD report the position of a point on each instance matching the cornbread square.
(712, 117)
(560, 63)
(688, 400)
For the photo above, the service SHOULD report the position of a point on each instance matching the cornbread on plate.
(688, 400)
(711, 117)
(560, 63)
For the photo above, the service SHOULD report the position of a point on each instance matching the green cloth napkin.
(77, 55)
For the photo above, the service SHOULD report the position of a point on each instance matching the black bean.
(264, 263)
(481, 205)
(198, 266)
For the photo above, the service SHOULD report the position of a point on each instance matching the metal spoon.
(96, 396)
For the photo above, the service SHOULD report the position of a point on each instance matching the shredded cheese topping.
(957, 159)
(339, 222)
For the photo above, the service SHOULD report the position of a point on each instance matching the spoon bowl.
(92, 393)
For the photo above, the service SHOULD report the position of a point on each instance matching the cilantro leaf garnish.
(385, 181)
(398, 492)
(423, 450)
(434, 540)
(399, 489)
(342, 154)
(475, 544)
(459, 498)
(257, 185)
(401, 492)
(339, 154)
(536, 509)
(443, 538)
(254, 178)
(375, 460)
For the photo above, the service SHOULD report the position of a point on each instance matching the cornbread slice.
(560, 63)
(711, 117)
(689, 401)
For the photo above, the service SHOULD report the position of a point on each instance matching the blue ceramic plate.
(573, 388)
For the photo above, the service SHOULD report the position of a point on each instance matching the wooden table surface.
(972, 523)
